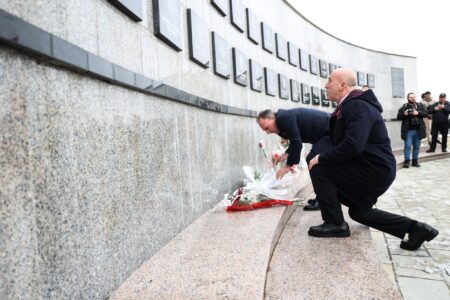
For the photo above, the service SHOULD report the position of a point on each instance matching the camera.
(410, 111)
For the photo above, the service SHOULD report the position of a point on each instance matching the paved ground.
(423, 194)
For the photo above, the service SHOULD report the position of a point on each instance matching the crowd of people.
(351, 162)
(427, 118)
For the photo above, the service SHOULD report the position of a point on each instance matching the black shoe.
(311, 201)
(430, 151)
(312, 206)
(330, 230)
(415, 163)
(406, 164)
(444, 150)
(416, 239)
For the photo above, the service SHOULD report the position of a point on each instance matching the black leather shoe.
(415, 163)
(406, 164)
(430, 151)
(416, 239)
(444, 150)
(311, 201)
(330, 230)
(313, 206)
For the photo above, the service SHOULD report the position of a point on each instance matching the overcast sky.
(416, 28)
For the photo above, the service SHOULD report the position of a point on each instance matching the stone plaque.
(306, 94)
(323, 68)
(361, 78)
(371, 80)
(313, 65)
(295, 90)
(240, 67)
(281, 47)
(198, 36)
(221, 56)
(315, 95)
(256, 76)
(221, 6)
(132, 8)
(304, 61)
(283, 86)
(253, 28)
(332, 67)
(324, 98)
(398, 82)
(167, 22)
(271, 82)
(293, 54)
(237, 10)
(267, 38)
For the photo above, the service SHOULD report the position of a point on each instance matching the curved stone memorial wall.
(122, 121)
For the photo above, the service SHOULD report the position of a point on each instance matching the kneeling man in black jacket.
(359, 167)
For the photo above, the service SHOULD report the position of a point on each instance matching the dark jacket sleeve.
(288, 124)
(421, 110)
(400, 114)
(358, 124)
(431, 108)
(447, 107)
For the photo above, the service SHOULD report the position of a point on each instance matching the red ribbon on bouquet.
(263, 204)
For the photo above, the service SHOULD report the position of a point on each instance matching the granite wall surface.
(95, 178)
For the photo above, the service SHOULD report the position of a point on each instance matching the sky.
(416, 28)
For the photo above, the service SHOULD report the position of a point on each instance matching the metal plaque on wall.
(295, 91)
(253, 28)
(315, 95)
(283, 86)
(324, 98)
(332, 67)
(256, 76)
(271, 82)
(221, 58)
(198, 35)
(221, 6)
(398, 82)
(240, 67)
(132, 8)
(281, 47)
(304, 61)
(306, 94)
(267, 38)
(167, 22)
(237, 14)
(323, 68)
(371, 80)
(313, 65)
(361, 78)
(293, 54)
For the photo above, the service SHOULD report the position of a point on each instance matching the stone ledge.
(220, 255)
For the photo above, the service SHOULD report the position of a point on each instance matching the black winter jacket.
(407, 119)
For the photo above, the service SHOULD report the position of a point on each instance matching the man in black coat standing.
(298, 125)
(413, 128)
(440, 111)
(359, 167)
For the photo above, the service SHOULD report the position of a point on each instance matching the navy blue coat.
(301, 125)
(360, 161)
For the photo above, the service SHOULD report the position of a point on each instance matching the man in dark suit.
(298, 125)
(440, 111)
(359, 167)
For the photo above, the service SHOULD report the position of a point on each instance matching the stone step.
(226, 255)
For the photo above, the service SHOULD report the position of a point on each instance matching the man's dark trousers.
(441, 127)
(347, 184)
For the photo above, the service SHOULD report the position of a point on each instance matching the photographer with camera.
(440, 111)
(413, 128)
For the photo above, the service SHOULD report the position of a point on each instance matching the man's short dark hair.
(265, 114)
(442, 95)
(407, 96)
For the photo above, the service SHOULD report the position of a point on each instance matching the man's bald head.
(341, 82)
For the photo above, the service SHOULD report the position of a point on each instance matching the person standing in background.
(413, 128)
(427, 100)
(440, 111)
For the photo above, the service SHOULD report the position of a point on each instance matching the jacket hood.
(367, 96)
